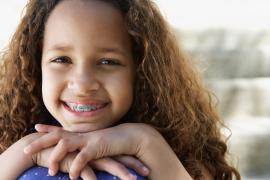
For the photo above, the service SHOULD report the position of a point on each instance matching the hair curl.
(169, 93)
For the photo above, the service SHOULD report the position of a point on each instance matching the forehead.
(93, 21)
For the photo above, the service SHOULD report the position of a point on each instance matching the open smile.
(85, 107)
(80, 109)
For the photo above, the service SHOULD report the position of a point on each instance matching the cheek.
(51, 86)
(121, 90)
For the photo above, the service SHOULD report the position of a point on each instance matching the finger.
(46, 128)
(113, 167)
(63, 147)
(80, 161)
(53, 138)
(43, 142)
(134, 164)
(88, 174)
(58, 154)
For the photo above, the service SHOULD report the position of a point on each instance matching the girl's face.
(87, 66)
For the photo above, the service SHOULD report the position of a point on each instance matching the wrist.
(14, 161)
(26, 141)
(161, 159)
(30, 158)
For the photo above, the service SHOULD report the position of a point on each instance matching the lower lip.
(85, 114)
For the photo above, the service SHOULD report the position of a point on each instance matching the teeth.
(81, 107)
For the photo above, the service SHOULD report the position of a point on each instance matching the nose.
(83, 82)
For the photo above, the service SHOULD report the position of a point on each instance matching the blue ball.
(41, 173)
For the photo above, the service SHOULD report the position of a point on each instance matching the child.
(99, 64)
(97, 89)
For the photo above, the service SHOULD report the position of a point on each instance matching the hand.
(115, 165)
(136, 139)
(41, 159)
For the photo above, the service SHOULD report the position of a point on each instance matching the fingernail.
(132, 177)
(72, 178)
(26, 150)
(36, 127)
(145, 169)
(51, 172)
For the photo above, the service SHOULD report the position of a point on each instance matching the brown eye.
(61, 60)
(106, 61)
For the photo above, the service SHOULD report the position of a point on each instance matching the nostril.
(82, 89)
(83, 86)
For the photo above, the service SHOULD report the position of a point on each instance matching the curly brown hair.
(169, 93)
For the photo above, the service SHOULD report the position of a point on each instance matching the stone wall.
(236, 65)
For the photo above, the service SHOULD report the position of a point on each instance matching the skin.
(87, 59)
(89, 62)
(81, 75)
(86, 79)
(14, 161)
(136, 139)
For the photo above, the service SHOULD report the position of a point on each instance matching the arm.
(139, 140)
(156, 150)
(159, 156)
(171, 167)
(14, 161)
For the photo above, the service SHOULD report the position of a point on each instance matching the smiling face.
(87, 66)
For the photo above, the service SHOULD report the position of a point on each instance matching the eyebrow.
(99, 49)
(60, 48)
(112, 50)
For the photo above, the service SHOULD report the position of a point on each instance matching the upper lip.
(86, 101)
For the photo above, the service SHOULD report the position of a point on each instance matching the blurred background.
(230, 41)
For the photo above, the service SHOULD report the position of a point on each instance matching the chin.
(81, 128)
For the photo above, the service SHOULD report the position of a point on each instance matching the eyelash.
(109, 62)
(62, 59)
(103, 61)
